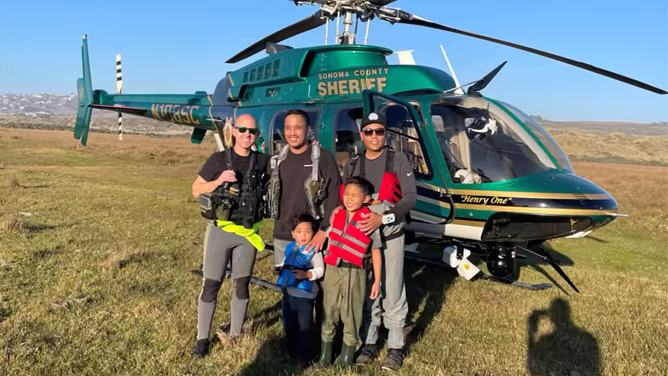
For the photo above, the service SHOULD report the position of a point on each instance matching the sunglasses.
(244, 129)
(378, 131)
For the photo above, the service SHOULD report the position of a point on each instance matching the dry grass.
(11, 224)
(611, 147)
(100, 279)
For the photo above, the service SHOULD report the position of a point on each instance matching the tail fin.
(85, 94)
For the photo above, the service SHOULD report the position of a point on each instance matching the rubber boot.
(347, 356)
(325, 353)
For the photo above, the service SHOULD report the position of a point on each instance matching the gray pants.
(221, 247)
(391, 306)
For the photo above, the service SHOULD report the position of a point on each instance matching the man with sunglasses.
(241, 180)
(393, 179)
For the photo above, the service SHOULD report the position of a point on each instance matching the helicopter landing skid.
(414, 256)
(528, 286)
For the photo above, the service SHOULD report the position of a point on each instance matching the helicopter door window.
(278, 125)
(403, 136)
(348, 141)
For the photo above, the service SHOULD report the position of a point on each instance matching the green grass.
(100, 282)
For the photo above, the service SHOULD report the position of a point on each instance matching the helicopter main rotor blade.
(410, 19)
(381, 3)
(309, 23)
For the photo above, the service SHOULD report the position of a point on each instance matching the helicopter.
(490, 180)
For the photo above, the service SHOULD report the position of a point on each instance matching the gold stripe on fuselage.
(534, 210)
(554, 196)
(429, 186)
(433, 202)
(464, 222)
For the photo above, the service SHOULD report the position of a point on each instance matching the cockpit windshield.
(542, 135)
(482, 143)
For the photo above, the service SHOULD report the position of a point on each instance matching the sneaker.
(393, 360)
(201, 348)
(368, 353)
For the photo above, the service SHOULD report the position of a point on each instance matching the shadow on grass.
(271, 360)
(424, 284)
(568, 350)
(37, 227)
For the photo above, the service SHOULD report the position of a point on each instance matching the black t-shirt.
(293, 172)
(217, 163)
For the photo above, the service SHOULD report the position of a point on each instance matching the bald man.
(232, 238)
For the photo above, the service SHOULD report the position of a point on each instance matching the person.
(300, 269)
(344, 287)
(393, 179)
(298, 168)
(238, 177)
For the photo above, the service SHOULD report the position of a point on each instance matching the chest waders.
(314, 187)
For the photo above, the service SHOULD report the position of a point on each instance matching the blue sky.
(181, 47)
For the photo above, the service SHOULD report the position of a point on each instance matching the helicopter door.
(404, 134)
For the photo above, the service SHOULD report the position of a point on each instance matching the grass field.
(97, 244)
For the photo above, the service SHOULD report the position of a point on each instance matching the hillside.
(621, 142)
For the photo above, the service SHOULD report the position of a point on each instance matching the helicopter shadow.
(567, 350)
(426, 285)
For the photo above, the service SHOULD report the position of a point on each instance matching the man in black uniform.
(235, 237)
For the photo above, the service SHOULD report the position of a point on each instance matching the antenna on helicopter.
(458, 90)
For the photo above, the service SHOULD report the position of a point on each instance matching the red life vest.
(348, 243)
(390, 187)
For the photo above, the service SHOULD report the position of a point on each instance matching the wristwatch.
(388, 218)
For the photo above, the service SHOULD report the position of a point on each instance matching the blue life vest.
(295, 259)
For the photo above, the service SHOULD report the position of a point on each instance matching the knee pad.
(241, 287)
(210, 290)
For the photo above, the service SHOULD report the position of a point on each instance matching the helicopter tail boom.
(183, 109)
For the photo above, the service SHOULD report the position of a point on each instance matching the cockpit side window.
(403, 136)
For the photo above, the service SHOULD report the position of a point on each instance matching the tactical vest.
(347, 242)
(390, 187)
(295, 260)
(314, 189)
(246, 200)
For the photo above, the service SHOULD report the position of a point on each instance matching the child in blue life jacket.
(297, 279)
(351, 255)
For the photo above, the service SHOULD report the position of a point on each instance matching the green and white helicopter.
(491, 181)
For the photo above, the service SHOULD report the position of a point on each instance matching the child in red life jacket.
(299, 271)
(347, 260)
